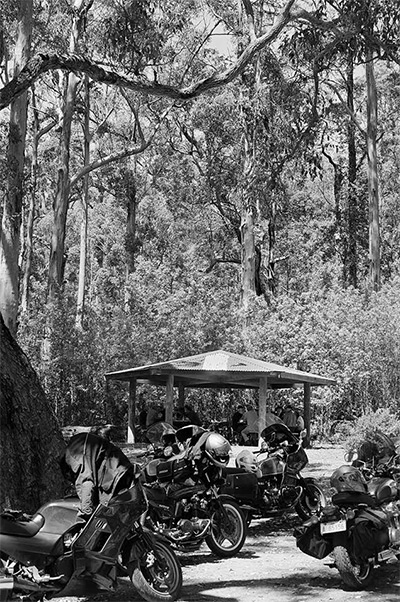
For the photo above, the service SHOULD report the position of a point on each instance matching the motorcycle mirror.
(303, 434)
(351, 455)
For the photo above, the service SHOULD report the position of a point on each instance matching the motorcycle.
(184, 504)
(51, 554)
(268, 482)
(360, 529)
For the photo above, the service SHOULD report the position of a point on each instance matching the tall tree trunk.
(352, 222)
(131, 198)
(12, 211)
(373, 190)
(27, 267)
(80, 308)
(61, 201)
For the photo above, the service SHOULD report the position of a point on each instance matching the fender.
(142, 542)
(341, 539)
(225, 497)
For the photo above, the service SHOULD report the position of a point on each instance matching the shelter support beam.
(131, 411)
(262, 403)
(181, 397)
(307, 411)
(169, 401)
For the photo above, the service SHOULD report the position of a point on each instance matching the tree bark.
(373, 190)
(80, 306)
(12, 212)
(352, 220)
(30, 438)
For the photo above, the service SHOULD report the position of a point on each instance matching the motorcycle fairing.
(27, 543)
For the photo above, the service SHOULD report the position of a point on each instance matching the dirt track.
(270, 567)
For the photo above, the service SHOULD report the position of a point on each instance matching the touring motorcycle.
(184, 503)
(360, 528)
(268, 482)
(51, 554)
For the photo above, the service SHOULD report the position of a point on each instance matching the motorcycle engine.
(270, 492)
(393, 512)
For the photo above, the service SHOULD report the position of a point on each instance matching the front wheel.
(228, 530)
(311, 501)
(157, 575)
(356, 575)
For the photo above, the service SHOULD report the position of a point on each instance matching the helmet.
(348, 478)
(246, 460)
(217, 448)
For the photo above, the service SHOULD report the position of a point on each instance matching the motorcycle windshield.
(377, 446)
(277, 431)
(156, 431)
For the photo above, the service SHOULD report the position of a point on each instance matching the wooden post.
(131, 411)
(307, 412)
(169, 401)
(181, 397)
(262, 403)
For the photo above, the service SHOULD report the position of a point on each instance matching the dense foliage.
(164, 250)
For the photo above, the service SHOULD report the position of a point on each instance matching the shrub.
(367, 425)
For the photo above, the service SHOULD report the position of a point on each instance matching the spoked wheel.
(355, 575)
(157, 575)
(311, 501)
(228, 530)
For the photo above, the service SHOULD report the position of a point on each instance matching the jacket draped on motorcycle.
(98, 468)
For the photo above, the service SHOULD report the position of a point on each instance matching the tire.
(161, 581)
(228, 530)
(311, 500)
(5, 594)
(357, 576)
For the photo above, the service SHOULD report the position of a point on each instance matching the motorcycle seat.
(353, 497)
(233, 470)
(19, 528)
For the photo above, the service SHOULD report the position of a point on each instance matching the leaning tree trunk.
(30, 438)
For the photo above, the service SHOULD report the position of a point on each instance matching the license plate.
(338, 525)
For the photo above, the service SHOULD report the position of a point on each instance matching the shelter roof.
(220, 369)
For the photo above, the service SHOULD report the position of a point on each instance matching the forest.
(178, 177)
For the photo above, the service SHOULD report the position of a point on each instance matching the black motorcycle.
(268, 482)
(50, 554)
(184, 503)
(360, 529)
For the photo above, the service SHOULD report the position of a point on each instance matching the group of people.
(156, 413)
(245, 420)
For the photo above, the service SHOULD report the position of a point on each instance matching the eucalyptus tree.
(12, 206)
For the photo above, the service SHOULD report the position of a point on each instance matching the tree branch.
(79, 64)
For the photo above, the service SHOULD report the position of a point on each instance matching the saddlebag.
(369, 533)
(310, 541)
(242, 485)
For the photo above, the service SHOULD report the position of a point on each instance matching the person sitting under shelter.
(250, 417)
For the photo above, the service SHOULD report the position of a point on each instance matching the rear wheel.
(356, 575)
(311, 501)
(157, 575)
(228, 530)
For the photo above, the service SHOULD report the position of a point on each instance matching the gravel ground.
(270, 567)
